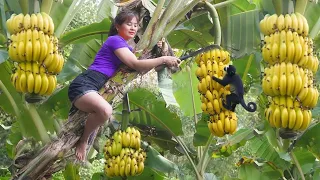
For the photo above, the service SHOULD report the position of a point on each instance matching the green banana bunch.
(123, 154)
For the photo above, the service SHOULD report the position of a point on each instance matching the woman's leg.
(100, 111)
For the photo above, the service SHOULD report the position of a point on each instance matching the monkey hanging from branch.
(236, 88)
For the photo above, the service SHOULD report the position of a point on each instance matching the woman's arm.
(128, 58)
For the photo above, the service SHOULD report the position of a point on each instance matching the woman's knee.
(106, 111)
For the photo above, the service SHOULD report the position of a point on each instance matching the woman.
(83, 91)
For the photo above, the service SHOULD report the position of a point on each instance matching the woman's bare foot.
(81, 150)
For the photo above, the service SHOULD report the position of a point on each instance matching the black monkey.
(236, 88)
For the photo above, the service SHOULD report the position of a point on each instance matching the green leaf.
(162, 117)
(3, 55)
(245, 35)
(80, 58)
(254, 68)
(240, 6)
(202, 134)
(87, 33)
(71, 172)
(159, 163)
(14, 6)
(311, 140)
(153, 123)
(250, 172)
(107, 9)
(312, 14)
(240, 136)
(305, 159)
(63, 13)
(165, 86)
(3, 40)
(147, 173)
(182, 90)
(261, 148)
(192, 34)
(14, 137)
(56, 106)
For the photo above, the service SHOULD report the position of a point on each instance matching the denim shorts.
(88, 81)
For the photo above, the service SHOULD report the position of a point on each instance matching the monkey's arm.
(225, 81)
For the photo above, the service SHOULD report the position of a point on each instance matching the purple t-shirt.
(106, 61)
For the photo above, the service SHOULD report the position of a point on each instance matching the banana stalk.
(300, 6)
(296, 162)
(278, 6)
(38, 123)
(46, 6)
(24, 6)
(215, 18)
(125, 112)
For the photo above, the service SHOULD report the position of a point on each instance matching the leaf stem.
(245, 73)
(215, 20)
(38, 123)
(204, 155)
(199, 149)
(179, 140)
(296, 162)
(14, 106)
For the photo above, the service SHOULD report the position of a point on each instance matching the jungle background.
(255, 139)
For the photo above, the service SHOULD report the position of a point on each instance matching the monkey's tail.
(251, 107)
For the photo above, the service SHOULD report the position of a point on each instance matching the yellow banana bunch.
(212, 63)
(40, 21)
(32, 42)
(295, 22)
(286, 117)
(120, 160)
(289, 75)
(224, 123)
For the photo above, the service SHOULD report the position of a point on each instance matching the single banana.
(292, 118)
(45, 22)
(29, 51)
(21, 51)
(36, 51)
(44, 84)
(299, 119)
(40, 21)
(34, 21)
(283, 85)
(30, 82)
(284, 117)
(280, 22)
(18, 23)
(287, 22)
(300, 24)
(277, 117)
(294, 22)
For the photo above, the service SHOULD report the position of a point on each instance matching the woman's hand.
(171, 61)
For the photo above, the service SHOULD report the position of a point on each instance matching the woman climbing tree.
(83, 91)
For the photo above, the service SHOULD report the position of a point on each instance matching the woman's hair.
(121, 17)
